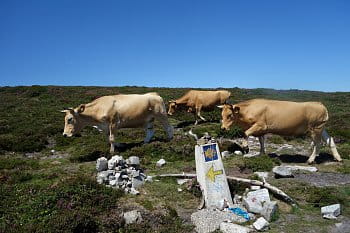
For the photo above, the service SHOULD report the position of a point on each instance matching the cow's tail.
(325, 113)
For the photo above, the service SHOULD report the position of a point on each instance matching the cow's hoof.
(310, 162)
(245, 150)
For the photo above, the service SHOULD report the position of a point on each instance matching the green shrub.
(72, 205)
(319, 197)
(18, 163)
(259, 163)
(234, 132)
(276, 139)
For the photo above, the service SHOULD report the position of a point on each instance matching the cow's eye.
(70, 120)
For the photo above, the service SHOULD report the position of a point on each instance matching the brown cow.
(110, 113)
(261, 116)
(195, 101)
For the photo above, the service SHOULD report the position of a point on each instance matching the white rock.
(226, 227)
(137, 182)
(282, 171)
(329, 216)
(238, 152)
(261, 195)
(254, 187)
(149, 179)
(134, 160)
(262, 175)
(182, 181)
(269, 209)
(252, 205)
(112, 162)
(251, 155)
(237, 199)
(260, 224)
(113, 182)
(225, 154)
(331, 210)
(133, 216)
(102, 177)
(255, 199)
(101, 164)
(134, 191)
(135, 173)
(179, 190)
(161, 162)
(302, 168)
(53, 151)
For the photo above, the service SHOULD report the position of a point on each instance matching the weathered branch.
(273, 189)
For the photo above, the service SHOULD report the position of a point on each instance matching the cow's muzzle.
(67, 135)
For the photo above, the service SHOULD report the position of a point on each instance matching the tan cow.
(195, 101)
(261, 116)
(110, 113)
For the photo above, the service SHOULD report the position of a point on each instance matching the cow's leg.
(316, 138)
(330, 142)
(262, 144)
(111, 136)
(163, 119)
(149, 131)
(255, 129)
(198, 111)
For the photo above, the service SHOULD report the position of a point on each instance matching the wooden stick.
(273, 189)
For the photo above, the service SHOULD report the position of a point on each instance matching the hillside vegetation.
(44, 191)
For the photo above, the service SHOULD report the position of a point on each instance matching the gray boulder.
(227, 227)
(269, 209)
(133, 216)
(160, 163)
(137, 182)
(282, 172)
(331, 211)
(261, 224)
(225, 154)
(134, 160)
(101, 164)
(102, 177)
(254, 200)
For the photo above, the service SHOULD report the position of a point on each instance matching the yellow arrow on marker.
(212, 174)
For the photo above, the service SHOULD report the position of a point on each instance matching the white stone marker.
(211, 175)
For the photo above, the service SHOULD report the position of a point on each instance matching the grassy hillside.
(30, 117)
(42, 191)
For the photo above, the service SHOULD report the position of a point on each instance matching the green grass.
(44, 194)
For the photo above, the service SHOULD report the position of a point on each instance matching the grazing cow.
(110, 113)
(195, 101)
(261, 116)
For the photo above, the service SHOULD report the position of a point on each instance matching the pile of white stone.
(121, 174)
(255, 202)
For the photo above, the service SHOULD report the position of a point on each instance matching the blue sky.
(299, 44)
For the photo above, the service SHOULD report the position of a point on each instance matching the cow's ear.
(81, 108)
(235, 109)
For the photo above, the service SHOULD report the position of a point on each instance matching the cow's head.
(172, 107)
(72, 121)
(229, 114)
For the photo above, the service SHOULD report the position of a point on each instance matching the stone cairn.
(121, 174)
